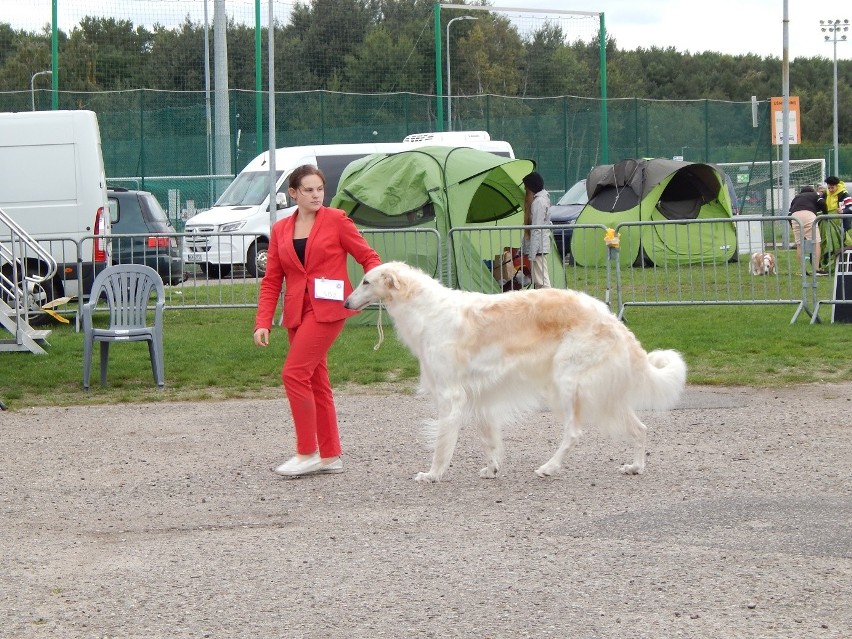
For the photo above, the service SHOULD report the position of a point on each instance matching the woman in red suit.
(308, 251)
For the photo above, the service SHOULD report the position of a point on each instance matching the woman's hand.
(261, 337)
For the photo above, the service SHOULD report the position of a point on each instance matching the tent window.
(366, 216)
(682, 198)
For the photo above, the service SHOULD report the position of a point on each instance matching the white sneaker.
(294, 466)
(332, 467)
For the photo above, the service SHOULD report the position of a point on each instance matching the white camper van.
(52, 184)
(235, 230)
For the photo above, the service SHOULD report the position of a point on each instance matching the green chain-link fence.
(141, 67)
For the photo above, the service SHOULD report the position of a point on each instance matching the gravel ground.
(164, 520)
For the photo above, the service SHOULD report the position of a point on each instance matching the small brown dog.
(762, 264)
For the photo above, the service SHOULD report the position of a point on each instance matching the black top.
(808, 201)
(299, 246)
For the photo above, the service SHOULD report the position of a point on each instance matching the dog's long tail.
(665, 380)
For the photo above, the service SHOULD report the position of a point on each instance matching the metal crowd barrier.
(472, 258)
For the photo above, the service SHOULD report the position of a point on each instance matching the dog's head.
(759, 264)
(762, 263)
(382, 284)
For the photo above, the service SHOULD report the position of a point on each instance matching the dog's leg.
(489, 429)
(448, 428)
(570, 436)
(639, 433)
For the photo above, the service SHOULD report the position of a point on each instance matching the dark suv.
(153, 242)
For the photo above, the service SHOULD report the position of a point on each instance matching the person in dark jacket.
(804, 208)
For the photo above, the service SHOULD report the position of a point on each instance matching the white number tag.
(328, 289)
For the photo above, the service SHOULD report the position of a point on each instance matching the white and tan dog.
(763, 264)
(490, 360)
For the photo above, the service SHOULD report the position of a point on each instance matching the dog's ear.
(391, 281)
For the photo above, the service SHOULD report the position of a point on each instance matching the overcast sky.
(727, 26)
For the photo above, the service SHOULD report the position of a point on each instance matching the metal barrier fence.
(704, 276)
(685, 273)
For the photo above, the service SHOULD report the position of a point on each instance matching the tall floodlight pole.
(207, 112)
(834, 28)
(449, 84)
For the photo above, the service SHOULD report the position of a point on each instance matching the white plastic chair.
(127, 290)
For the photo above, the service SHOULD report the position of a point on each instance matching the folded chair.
(125, 291)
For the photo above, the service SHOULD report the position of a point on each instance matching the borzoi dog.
(491, 359)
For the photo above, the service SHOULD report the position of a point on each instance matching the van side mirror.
(280, 201)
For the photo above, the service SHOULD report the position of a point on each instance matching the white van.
(235, 230)
(52, 183)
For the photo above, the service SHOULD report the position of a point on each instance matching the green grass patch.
(210, 355)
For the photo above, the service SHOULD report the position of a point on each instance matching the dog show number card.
(328, 289)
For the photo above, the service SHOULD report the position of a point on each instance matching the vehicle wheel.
(257, 256)
(39, 294)
(217, 271)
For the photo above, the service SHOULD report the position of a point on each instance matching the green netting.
(351, 71)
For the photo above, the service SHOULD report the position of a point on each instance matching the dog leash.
(380, 329)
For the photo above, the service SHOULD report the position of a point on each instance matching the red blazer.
(332, 238)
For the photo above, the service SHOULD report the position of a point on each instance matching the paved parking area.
(164, 520)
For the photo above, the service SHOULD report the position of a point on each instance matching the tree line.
(381, 46)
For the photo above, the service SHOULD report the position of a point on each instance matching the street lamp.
(449, 85)
(834, 27)
(32, 84)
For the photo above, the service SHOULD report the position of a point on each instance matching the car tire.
(216, 271)
(256, 260)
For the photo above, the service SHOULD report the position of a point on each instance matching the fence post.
(613, 244)
(141, 137)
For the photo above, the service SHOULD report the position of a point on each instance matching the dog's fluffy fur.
(489, 360)
(763, 264)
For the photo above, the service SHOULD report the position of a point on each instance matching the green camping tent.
(440, 188)
(656, 190)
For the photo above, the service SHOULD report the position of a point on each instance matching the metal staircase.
(18, 285)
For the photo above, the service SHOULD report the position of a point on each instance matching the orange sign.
(794, 121)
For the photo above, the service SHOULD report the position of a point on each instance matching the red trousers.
(305, 377)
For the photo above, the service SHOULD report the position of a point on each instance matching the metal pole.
(37, 73)
(834, 27)
(449, 83)
(221, 97)
(207, 112)
(258, 78)
(785, 126)
(604, 106)
(54, 56)
(836, 145)
(439, 70)
(273, 187)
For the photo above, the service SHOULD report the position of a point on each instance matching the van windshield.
(248, 189)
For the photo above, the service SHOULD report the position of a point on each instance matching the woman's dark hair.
(301, 172)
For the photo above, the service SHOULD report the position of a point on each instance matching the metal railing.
(24, 266)
(677, 270)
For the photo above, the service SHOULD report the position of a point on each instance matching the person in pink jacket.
(308, 252)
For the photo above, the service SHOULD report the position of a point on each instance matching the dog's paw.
(546, 470)
(488, 472)
(425, 478)
(632, 469)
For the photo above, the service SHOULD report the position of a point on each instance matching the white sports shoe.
(332, 467)
(294, 466)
